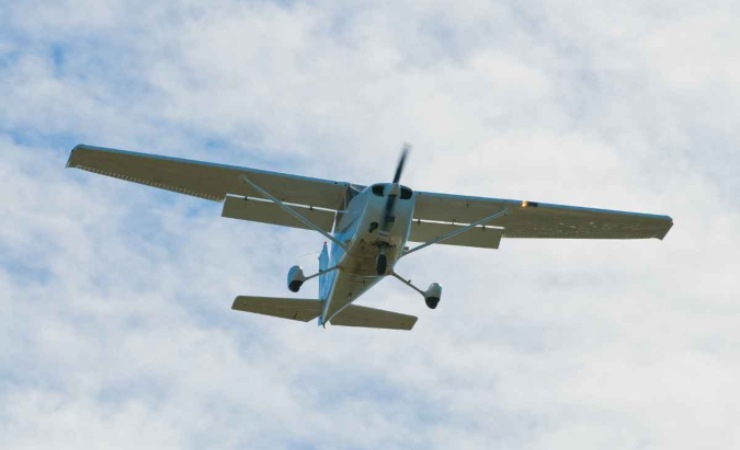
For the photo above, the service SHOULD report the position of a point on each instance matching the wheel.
(432, 295)
(295, 285)
(382, 262)
(295, 278)
(432, 302)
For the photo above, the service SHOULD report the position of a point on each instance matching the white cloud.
(115, 321)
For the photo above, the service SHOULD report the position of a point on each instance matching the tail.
(306, 310)
(325, 281)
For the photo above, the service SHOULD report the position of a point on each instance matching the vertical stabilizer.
(326, 279)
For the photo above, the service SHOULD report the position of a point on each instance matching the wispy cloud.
(114, 298)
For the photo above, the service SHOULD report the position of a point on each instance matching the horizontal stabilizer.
(362, 316)
(286, 308)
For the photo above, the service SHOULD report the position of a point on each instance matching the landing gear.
(295, 278)
(432, 302)
(295, 286)
(431, 295)
(381, 264)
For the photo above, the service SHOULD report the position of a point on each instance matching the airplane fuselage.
(366, 233)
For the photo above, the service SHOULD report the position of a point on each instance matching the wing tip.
(72, 160)
(414, 319)
(665, 231)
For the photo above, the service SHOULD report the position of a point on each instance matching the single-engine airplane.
(368, 226)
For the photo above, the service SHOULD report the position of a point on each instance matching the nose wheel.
(381, 264)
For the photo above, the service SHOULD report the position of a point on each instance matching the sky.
(115, 324)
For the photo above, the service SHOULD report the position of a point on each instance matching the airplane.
(369, 227)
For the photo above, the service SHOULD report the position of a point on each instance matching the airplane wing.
(362, 316)
(541, 220)
(206, 180)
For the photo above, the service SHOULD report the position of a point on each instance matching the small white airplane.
(369, 226)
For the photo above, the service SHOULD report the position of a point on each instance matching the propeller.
(395, 190)
(401, 162)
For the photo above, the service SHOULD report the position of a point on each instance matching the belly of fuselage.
(358, 264)
(370, 237)
(347, 288)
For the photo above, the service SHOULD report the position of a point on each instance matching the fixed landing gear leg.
(431, 295)
(296, 277)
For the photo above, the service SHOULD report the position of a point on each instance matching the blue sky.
(116, 329)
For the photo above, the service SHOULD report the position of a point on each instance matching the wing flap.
(362, 316)
(483, 237)
(542, 220)
(205, 180)
(268, 212)
(286, 308)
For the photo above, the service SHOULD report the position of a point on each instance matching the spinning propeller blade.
(395, 189)
(401, 162)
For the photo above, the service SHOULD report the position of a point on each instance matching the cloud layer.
(116, 329)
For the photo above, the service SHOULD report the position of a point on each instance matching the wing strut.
(291, 211)
(444, 237)
(407, 283)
